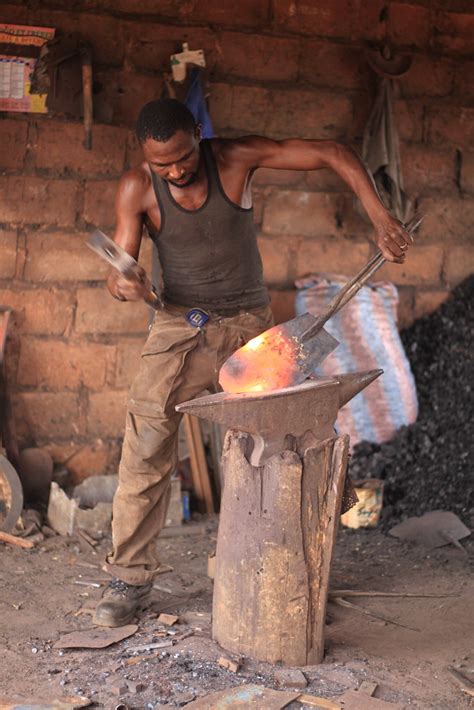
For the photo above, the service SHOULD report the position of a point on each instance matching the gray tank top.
(209, 256)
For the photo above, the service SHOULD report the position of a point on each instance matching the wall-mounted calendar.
(20, 47)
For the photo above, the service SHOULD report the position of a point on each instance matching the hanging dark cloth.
(381, 153)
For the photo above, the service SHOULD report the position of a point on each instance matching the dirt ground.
(408, 659)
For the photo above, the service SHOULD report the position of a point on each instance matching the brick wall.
(276, 67)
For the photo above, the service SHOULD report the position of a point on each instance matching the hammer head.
(113, 254)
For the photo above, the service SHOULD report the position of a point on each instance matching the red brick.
(280, 114)
(333, 65)
(245, 13)
(123, 93)
(451, 124)
(447, 220)
(459, 263)
(370, 23)
(464, 81)
(45, 415)
(325, 180)
(409, 24)
(304, 213)
(62, 365)
(453, 31)
(14, 13)
(353, 220)
(14, 134)
(106, 414)
(103, 32)
(242, 108)
(83, 460)
(164, 8)
(40, 311)
(60, 147)
(268, 176)
(8, 248)
(62, 256)
(425, 169)
(283, 305)
(467, 172)
(428, 301)
(328, 19)
(128, 360)
(150, 45)
(331, 255)
(34, 200)
(276, 257)
(428, 77)
(422, 267)
(97, 312)
(309, 114)
(134, 155)
(265, 58)
(99, 202)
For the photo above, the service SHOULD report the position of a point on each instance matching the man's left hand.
(392, 239)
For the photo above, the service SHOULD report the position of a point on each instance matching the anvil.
(273, 415)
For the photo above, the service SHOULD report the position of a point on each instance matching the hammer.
(117, 257)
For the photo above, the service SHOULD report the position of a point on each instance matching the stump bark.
(276, 537)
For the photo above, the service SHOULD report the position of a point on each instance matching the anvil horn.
(353, 383)
(271, 415)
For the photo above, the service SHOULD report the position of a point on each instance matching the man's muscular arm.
(297, 154)
(128, 234)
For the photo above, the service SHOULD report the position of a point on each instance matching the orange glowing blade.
(277, 358)
(272, 365)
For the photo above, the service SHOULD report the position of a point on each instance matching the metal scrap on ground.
(96, 637)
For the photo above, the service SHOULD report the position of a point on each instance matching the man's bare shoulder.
(245, 150)
(134, 187)
(137, 178)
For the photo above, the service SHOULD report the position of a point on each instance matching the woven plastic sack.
(366, 328)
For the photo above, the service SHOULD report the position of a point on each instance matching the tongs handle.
(355, 284)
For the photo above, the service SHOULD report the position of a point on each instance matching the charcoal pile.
(429, 465)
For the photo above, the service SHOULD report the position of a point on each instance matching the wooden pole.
(277, 531)
(199, 469)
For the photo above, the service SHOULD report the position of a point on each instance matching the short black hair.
(161, 119)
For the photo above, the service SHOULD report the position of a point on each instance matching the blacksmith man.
(194, 197)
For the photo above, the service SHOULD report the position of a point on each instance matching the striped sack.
(367, 332)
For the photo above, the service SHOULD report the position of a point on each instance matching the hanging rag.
(381, 153)
(196, 103)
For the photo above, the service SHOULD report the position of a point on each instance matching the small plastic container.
(365, 513)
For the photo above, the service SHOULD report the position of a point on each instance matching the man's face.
(175, 160)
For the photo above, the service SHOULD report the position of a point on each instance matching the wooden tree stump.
(277, 531)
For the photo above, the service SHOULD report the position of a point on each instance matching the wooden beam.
(197, 456)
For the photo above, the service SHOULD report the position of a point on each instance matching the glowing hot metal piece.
(273, 359)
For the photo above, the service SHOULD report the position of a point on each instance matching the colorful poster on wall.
(16, 70)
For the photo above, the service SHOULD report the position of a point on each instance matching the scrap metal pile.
(428, 465)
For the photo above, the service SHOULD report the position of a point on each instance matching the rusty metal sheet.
(96, 637)
(244, 698)
(11, 495)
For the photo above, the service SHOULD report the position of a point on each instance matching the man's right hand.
(124, 289)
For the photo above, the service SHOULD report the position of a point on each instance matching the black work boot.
(119, 603)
